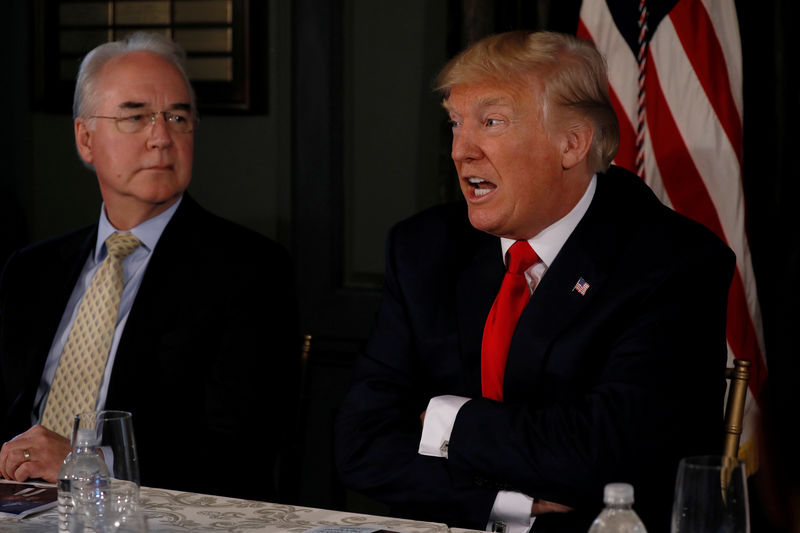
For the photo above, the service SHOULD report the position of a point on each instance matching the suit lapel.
(67, 267)
(587, 254)
(477, 287)
(55, 285)
(154, 306)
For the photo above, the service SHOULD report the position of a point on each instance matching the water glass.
(711, 496)
(115, 438)
(109, 506)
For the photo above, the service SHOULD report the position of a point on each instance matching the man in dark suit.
(615, 367)
(204, 346)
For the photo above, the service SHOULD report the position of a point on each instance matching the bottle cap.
(86, 437)
(618, 493)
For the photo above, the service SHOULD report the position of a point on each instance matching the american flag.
(675, 76)
(581, 286)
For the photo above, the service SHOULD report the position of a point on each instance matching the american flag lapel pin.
(581, 286)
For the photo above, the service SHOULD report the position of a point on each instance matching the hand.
(543, 507)
(422, 417)
(37, 453)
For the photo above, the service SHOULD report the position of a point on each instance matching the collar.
(148, 231)
(548, 242)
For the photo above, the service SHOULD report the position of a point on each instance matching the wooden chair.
(326, 367)
(738, 375)
(305, 353)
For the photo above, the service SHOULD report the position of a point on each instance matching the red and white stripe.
(693, 138)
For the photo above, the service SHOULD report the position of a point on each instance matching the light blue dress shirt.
(133, 268)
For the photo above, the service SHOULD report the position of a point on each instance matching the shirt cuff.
(439, 419)
(514, 510)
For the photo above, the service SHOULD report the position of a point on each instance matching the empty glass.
(114, 432)
(711, 496)
(110, 504)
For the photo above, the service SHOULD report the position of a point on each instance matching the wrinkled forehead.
(142, 78)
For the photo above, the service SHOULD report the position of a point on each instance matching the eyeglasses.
(178, 121)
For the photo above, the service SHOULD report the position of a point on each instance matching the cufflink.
(499, 526)
(444, 446)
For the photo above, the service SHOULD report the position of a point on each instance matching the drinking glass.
(114, 432)
(711, 496)
(107, 505)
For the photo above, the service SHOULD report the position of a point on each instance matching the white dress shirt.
(513, 508)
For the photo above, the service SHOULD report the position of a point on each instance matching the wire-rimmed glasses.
(177, 120)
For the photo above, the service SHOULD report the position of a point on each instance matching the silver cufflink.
(499, 526)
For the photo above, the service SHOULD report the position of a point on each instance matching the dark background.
(353, 140)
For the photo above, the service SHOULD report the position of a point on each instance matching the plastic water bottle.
(65, 492)
(81, 464)
(618, 515)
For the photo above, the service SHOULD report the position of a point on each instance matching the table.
(174, 511)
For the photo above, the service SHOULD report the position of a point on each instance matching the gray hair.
(571, 70)
(86, 91)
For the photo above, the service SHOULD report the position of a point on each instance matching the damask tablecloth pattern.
(173, 511)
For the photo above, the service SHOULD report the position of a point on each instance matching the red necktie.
(503, 317)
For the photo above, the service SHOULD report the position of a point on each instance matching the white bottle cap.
(86, 437)
(616, 493)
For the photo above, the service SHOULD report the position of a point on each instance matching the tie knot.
(521, 257)
(120, 245)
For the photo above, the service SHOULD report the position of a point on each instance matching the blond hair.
(571, 71)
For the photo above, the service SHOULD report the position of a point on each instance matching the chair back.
(305, 354)
(734, 409)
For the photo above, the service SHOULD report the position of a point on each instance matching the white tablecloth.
(173, 511)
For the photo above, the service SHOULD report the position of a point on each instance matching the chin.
(159, 196)
(482, 222)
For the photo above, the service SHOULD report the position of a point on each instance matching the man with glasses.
(161, 308)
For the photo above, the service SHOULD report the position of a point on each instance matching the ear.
(577, 142)
(83, 140)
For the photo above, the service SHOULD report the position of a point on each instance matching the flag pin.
(581, 286)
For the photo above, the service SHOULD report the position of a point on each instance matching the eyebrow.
(139, 105)
(488, 101)
(494, 101)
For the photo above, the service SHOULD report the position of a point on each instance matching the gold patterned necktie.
(83, 361)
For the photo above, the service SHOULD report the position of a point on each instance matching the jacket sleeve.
(379, 427)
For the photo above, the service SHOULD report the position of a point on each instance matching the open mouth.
(481, 187)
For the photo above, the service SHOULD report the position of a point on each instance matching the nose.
(465, 146)
(159, 135)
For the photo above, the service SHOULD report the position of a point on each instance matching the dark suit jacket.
(612, 386)
(206, 360)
